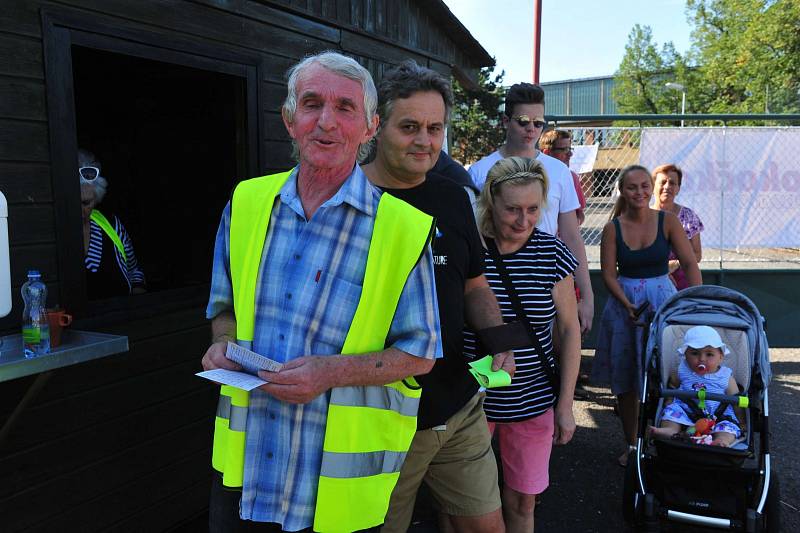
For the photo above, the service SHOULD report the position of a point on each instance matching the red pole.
(537, 37)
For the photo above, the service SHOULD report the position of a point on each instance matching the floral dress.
(692, 225)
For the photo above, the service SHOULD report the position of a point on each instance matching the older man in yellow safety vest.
(317, 269)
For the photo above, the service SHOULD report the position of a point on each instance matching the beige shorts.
(458, 465)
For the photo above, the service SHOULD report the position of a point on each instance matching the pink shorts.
(525, 452)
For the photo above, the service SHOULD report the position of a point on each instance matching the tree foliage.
(475, 124)
(748, 52)
(639, 85)
(744, 58)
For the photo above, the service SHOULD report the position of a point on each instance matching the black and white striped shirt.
(534, 270)
(94, 255)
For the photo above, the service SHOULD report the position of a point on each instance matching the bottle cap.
(34, 274)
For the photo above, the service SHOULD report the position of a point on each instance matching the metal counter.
(76, 347)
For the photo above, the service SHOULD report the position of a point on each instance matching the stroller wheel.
(771, 519)
(650, 514)
(629, 493)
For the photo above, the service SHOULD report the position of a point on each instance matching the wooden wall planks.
(123, 443)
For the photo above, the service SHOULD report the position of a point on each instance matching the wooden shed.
(179, 100)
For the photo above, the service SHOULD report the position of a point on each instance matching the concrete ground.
(586, 482)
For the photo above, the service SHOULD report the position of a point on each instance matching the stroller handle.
(741, 401)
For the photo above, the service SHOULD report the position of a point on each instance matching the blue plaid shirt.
(308, 288)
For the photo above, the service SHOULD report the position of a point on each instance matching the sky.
(580, 38)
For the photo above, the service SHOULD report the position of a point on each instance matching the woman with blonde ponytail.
(634, 253)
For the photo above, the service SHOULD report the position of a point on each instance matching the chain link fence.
(744, 183)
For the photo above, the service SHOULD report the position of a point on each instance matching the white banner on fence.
(583, 158)
(744, 183)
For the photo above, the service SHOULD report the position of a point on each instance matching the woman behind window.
(109, 259)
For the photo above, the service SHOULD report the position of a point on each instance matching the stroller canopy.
(711, 305)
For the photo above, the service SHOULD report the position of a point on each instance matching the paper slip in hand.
(240, 380)
(481, 369)
(250, 361)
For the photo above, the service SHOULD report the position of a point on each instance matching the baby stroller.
(708, 486)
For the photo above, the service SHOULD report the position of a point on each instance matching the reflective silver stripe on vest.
(224, 407)
(235, 415)
(375, 396)
(238, 420)
(351, 465)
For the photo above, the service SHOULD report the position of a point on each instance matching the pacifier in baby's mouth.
(701, 368)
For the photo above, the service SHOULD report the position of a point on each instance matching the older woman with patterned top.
(111, 265)
(668, 181)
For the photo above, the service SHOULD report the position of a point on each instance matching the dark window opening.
(172, 141)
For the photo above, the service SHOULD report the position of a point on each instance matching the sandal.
(622, 460)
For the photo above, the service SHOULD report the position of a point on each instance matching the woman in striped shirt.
(535, 410)
(111, 265)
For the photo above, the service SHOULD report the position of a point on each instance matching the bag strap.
(516, 303)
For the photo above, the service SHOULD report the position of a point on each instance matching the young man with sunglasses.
(523, 119)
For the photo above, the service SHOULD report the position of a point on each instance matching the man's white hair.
(343, 66)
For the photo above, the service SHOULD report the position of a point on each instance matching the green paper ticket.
(481, 369)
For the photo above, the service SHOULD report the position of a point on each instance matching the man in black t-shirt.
(451, 450)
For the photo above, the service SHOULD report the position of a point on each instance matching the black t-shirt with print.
(457, 257)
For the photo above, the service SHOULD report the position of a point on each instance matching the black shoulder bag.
(516, 303)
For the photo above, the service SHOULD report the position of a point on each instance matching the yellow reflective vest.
(369, 428)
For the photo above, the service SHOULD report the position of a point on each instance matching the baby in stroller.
(704, 421)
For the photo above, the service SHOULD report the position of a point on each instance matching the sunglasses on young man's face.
(89, 173)
(524, 120)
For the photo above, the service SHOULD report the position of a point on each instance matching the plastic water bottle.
(35, 328)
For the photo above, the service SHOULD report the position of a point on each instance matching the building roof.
(575, 80)
(581, 96)
(457, 32)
